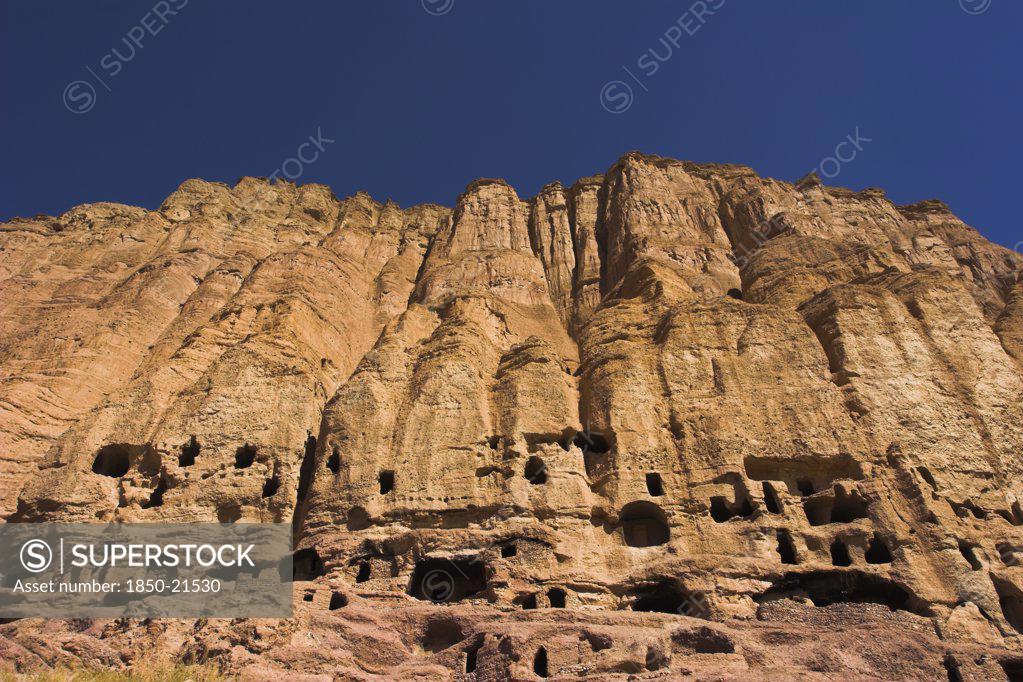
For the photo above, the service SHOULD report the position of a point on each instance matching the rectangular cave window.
(364, 572)
(557, 598)
(508, 551)
(527, 601)
(386, 480)
(772, 500)
(540, 662)
(445, 580)
(307, 565)
(843, 508)
(654, 485)
(840, 554)
(878, 552)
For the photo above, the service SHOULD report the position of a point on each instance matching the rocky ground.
(673, 421)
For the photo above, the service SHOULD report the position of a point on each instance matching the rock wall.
(676, 419)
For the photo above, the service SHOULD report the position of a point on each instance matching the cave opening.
(244, 456)
(721, 510)
(701, 640)
(840, 554)
(668, 596)
(878, 552)
(364, 572)
(307, 565)
(527, 601)
(271, 486)
(337, 601)
(735, 293)
(386, 481)
(786, 548)
(112, 460)
(189, 451)
(1012, 667)
(842, 508)
(828, 587)
(557, 597)
(644, 524)
(442, 580)
(772, 500)
(591, 441)
(229, 512)
(334, 461)
(508, 551)
(925, 473)
(952, 669)
(654, 484)
(1010, 598)
(472, 655)
(535, 471)
(540, 662)
(441, 634)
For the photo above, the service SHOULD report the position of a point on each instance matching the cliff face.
(673, 418)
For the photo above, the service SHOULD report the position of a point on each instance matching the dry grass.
(169, 673)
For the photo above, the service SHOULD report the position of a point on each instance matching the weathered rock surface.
(676, 420)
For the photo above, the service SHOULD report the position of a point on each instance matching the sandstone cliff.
(673, 420)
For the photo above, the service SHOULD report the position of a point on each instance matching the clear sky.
(412, 99)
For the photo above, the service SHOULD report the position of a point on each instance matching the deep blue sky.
(419, 105)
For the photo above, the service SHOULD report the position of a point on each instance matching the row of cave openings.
(535, 470)
(116, 461)
(821, 588)
(448, 580)
(442, 634)
(811, 479)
